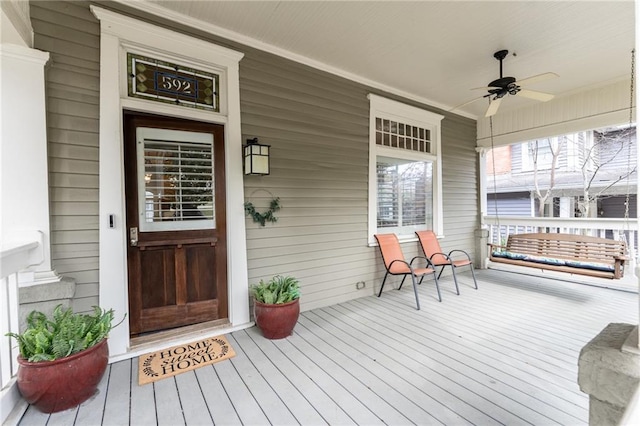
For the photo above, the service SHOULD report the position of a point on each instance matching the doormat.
(178, 359)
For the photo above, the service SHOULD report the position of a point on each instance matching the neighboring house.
(604, 161)
(93, 157)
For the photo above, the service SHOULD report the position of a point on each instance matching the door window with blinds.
(175, 180)
(404, 169)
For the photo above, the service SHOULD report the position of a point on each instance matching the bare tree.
(543, 195)
(610, 147)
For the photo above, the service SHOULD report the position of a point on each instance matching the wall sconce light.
(256, 158)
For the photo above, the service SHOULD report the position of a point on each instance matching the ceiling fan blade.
(493, 107)
(485, 88)
(532, 94)
(466, 103)
(536, 78)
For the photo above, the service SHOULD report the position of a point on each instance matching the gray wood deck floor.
(504, 354)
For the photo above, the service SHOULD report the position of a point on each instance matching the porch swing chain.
(627, 201)
(631, 91)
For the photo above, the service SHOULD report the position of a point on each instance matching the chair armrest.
(460, 251)
(429, 264)
(446, 256)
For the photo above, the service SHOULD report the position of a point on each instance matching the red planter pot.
(276, 321)
(58, 385)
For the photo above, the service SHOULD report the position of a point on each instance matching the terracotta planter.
(58, 385)
(276, 321)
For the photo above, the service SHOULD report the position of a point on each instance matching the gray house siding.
(71, 34)
(317, 125)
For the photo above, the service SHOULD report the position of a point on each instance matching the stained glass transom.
(171, 83)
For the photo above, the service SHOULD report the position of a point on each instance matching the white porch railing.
(14, 259)
(501, 227)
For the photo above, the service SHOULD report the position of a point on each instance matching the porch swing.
(570, 253)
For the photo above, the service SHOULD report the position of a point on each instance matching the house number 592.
(175, 84)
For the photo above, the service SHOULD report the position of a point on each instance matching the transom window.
(404, 169)
(404, 136)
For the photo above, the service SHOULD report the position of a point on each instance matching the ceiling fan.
(503, 86)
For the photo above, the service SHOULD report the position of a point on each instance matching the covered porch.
(504, 354)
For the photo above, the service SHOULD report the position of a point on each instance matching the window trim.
(397, 111)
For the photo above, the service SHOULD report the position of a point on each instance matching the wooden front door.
(175, 196)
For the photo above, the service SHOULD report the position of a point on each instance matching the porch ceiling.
(438, 50)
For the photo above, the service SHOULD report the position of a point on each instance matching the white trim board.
(120, 34)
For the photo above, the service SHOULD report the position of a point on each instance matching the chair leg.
(455, 279)
(415, 290)
(383, 281)
(437, 286)
(473, 274)
(442, 270)
(402, 282)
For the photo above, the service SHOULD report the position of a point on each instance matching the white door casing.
(118, 35)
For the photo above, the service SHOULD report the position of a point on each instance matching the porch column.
(482, 232)
(609, 372)
(24, 188)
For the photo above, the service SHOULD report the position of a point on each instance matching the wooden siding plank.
(73, 180)
(62, 223)
(72, 137)
(68, 265)
(72, 107)
(65, 251)
(70, 237)
(74, 194)
(68, 122)
(68, 208)
(63, 165)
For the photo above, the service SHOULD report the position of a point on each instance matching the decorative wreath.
(267, 216)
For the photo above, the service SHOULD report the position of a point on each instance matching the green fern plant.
(65, 333)
(277, 290)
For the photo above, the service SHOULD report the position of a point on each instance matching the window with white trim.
(405, 184)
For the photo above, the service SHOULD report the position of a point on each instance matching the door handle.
(133, 236)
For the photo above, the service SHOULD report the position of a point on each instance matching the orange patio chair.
(432, 250)
(395, 264)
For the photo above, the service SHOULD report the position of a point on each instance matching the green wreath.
(267, 216)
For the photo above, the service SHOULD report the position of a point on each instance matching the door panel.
(174, 186)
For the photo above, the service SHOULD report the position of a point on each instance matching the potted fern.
(276, 306)
(62, 358)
